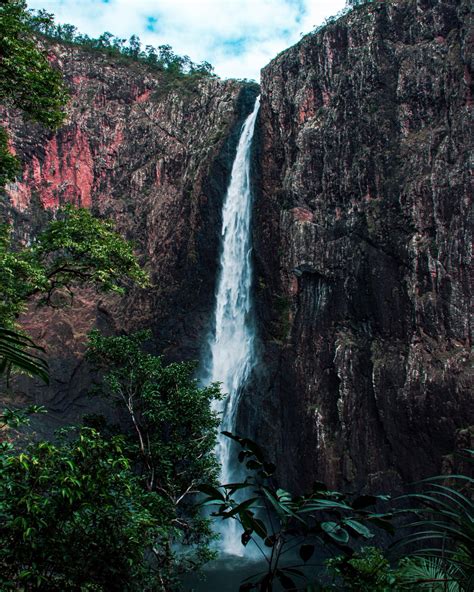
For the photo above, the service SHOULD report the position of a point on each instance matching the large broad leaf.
(315, 505)
(233, 487)
(364, 501)
(335, 531)
(306, 552)
(246, 537)
(241, 507)
(294, 571)
(382, 522)
(359, 528)
(266, 583)
(283, 495)
(260, 528)
(212, 492)
(281, 507)
(285, 581)
(248, 444)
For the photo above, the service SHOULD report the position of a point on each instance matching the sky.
(238, 37)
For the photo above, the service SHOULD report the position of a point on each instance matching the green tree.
(27, 80)
(134, 47)
(174, 438)
(30, 84)
(163, 58)
(366, 571)
(74, 249)
(74, 517)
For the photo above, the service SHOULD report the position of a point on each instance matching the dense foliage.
(74, 249)
(27, 80)
(161, 58)
(174, 435)
(105, 511)
(74, 517)
(442, 531)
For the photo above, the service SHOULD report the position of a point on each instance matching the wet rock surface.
(362, 246)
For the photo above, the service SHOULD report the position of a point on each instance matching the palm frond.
(431, 574)
(443, 531)
(18, 353)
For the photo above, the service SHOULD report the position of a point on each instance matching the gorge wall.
(154, 154)
(361, 234)
(363, 246)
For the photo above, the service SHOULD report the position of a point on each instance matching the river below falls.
(227, 573)
(224, 575)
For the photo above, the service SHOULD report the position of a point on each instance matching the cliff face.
(362, 243)
(361, 233)
(153, 155)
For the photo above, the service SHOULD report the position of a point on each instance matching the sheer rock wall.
(363, 246)
(155, 156)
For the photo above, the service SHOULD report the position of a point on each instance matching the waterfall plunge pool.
(224, 574)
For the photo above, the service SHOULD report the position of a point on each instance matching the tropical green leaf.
(16, 352)
(211, 491)
(335, 531)
(285, 581)
(358, 528)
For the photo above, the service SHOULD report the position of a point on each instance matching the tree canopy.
(28, 82)
(74, 249)
(162, 58)
(74, 517)
(174, 435)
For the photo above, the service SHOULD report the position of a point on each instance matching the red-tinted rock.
(155, 156)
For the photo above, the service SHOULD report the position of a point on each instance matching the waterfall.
(232, 345)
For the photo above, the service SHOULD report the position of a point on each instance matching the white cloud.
(238, 37)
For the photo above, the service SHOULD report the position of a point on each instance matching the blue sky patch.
(152, 24)
(238, 37)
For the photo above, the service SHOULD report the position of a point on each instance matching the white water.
(232, 346)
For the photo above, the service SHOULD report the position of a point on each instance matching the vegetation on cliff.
(100, 510)
(92, 510)
(27, 80)
(109, 508)
(172, 438)
(161, 58)
(74, 249)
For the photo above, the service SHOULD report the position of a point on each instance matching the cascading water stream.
(232, 346)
